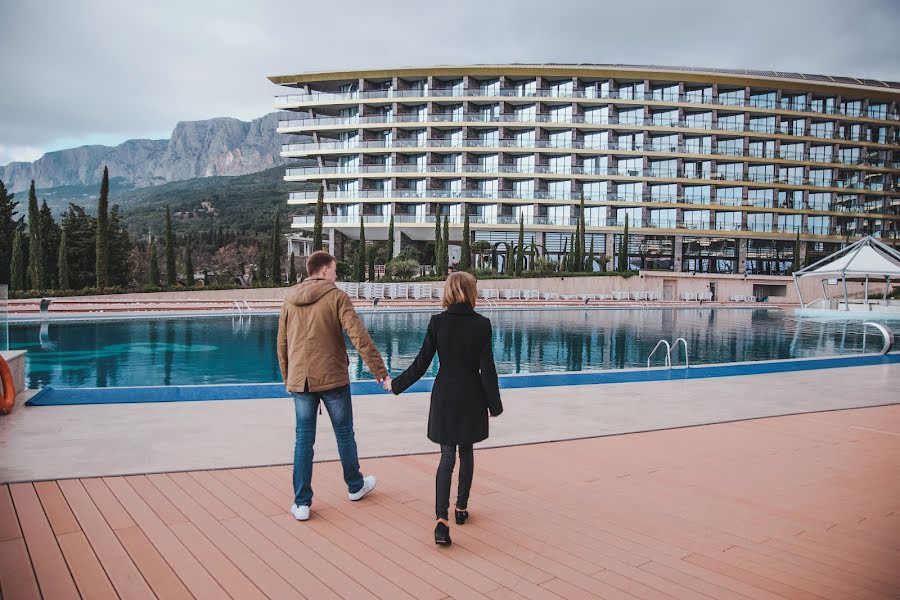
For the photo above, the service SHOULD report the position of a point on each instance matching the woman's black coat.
(466, 388)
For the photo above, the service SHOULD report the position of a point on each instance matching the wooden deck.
(789, 507)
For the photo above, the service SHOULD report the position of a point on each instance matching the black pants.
(445, 474)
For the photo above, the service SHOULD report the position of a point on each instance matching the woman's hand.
(387, 384)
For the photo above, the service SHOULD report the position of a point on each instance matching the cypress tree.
(390, 248)
(170, 250)
(623, 248)
(102, 266)
(520, 250)
(154, 264)
(438, 245)
(35, 256)
(276, 249)
(361, 253)
(576, 248)
(17, 275)
(292, 271)
(188, 263)
(120, 246)
(445, 253)
(8, 227)
(50, 235)
(465, 250)
(589, 267)
(564, 257)
(795, 264)
(63, 262)
(582, 245)
(370, 255)
(263, 274)
(317, 226)
(531, 256)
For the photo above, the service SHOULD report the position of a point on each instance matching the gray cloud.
(82, 70)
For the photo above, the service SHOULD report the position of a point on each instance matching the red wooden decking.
(790, 507)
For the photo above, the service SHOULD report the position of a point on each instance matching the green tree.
(361, 252)
(292, 270)
(465, 250)
(531, 255)
(520, 246)
(170, 251)
(262, 275)
(795, 263)
(576, 251)
(390, 242)
(277, 270)
(317, 226)
(50, 236)
(564, 257)
(445, 253)
(35, 256)
(62, 260)
(9, 225)
(17, 281)
(102, 251)
(582, 245)
(623, 248)
(438, 245)
(370, 255)
(81, 246)
(188, 263)
(120, 247)
(589, 265)
(153, 267)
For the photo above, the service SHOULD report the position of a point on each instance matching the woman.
(464, 392)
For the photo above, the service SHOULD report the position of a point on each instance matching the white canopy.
(866, 258)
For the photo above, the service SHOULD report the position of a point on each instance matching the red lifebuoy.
(9, 388)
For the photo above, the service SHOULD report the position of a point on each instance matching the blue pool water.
(190, 351)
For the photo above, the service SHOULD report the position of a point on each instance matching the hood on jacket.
(310, 291)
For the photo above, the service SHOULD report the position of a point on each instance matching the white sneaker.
(368, 486)
(301, 513)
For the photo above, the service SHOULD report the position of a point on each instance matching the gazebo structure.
(866, 260)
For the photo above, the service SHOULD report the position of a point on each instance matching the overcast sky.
(76, 72)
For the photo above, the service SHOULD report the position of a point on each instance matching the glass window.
(632, 116)
(822, 129)
(595, 165)
(489, 87)
(734, 147)
(850, 156)
(819, 201)
(594, 190)
(561, 139)
(563, 87)
(818, 225)
(632, 90)
(597, 140)
(525, 139)
(760, 221)
(664, 217)
(526, 87)
(730, 171)
(599, 114)
(526, 112)
(789, 223)
(700, 96)
(667, 93)
(523, 188)
(758, 197)
(793, 126)
(664, 168)
(667, 118)
(489, 112)
(631, 141)
(594, 216)
(629, 191)
(697, 169)
(697, 194)
(877, 111)
(731, 98)
(791, 151)
(698, 145)
(762, 149)
(821, 177)
(762, 99)
(489, 137)
(790, 199)
(701, 120)
(731, 122)
(664, 143)
(488, 188)
(630, 166)
(791, 175)
(762, 124)
(852, 108)
(793, 101)
(560, 190)
(560, 164)
(664, 193)
(635, 217)
(821, 153)
(695, 219)
(822, 105)
(524, 164)
(561, 114)
(728, 221)
(761, 173)
(732, 196)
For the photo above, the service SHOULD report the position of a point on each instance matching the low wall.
(16, 361)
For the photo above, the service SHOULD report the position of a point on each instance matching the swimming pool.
(221, 350)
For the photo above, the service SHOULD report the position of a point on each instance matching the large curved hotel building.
(717, 170)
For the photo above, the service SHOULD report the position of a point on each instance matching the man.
(313, 361)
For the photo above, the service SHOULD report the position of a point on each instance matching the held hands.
(386, 383)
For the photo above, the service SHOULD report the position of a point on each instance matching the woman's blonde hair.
(460, 288)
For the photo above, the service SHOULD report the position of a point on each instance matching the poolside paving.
(51, 442)
(804, 506)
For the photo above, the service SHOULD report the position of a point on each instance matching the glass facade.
(763, 161)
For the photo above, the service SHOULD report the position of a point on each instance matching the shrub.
(402, 268)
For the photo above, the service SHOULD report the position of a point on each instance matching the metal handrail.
(687, 362)
(668, 353)
(887, 333)
(236, 305)
(247, 306)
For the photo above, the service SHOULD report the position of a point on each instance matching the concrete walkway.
(55, 442)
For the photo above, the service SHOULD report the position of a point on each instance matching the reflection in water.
(182, 351)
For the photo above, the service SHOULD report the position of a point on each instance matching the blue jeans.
(337, 402)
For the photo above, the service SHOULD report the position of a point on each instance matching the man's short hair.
(317, 261)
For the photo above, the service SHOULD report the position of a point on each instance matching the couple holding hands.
(313, 361)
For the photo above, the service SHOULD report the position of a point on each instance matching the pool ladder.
(669, 347)
(237, 306)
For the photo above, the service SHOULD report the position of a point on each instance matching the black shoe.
(442, 534)
(461, 516)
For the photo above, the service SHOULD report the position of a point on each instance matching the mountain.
(214, 147)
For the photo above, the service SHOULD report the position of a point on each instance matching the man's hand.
(387, 384)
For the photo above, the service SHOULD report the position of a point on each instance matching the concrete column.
(331, 242)
(679, 251)
(742, 255)
(398, 239)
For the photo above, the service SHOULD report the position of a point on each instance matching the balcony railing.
(479, 118)
(287, 100)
